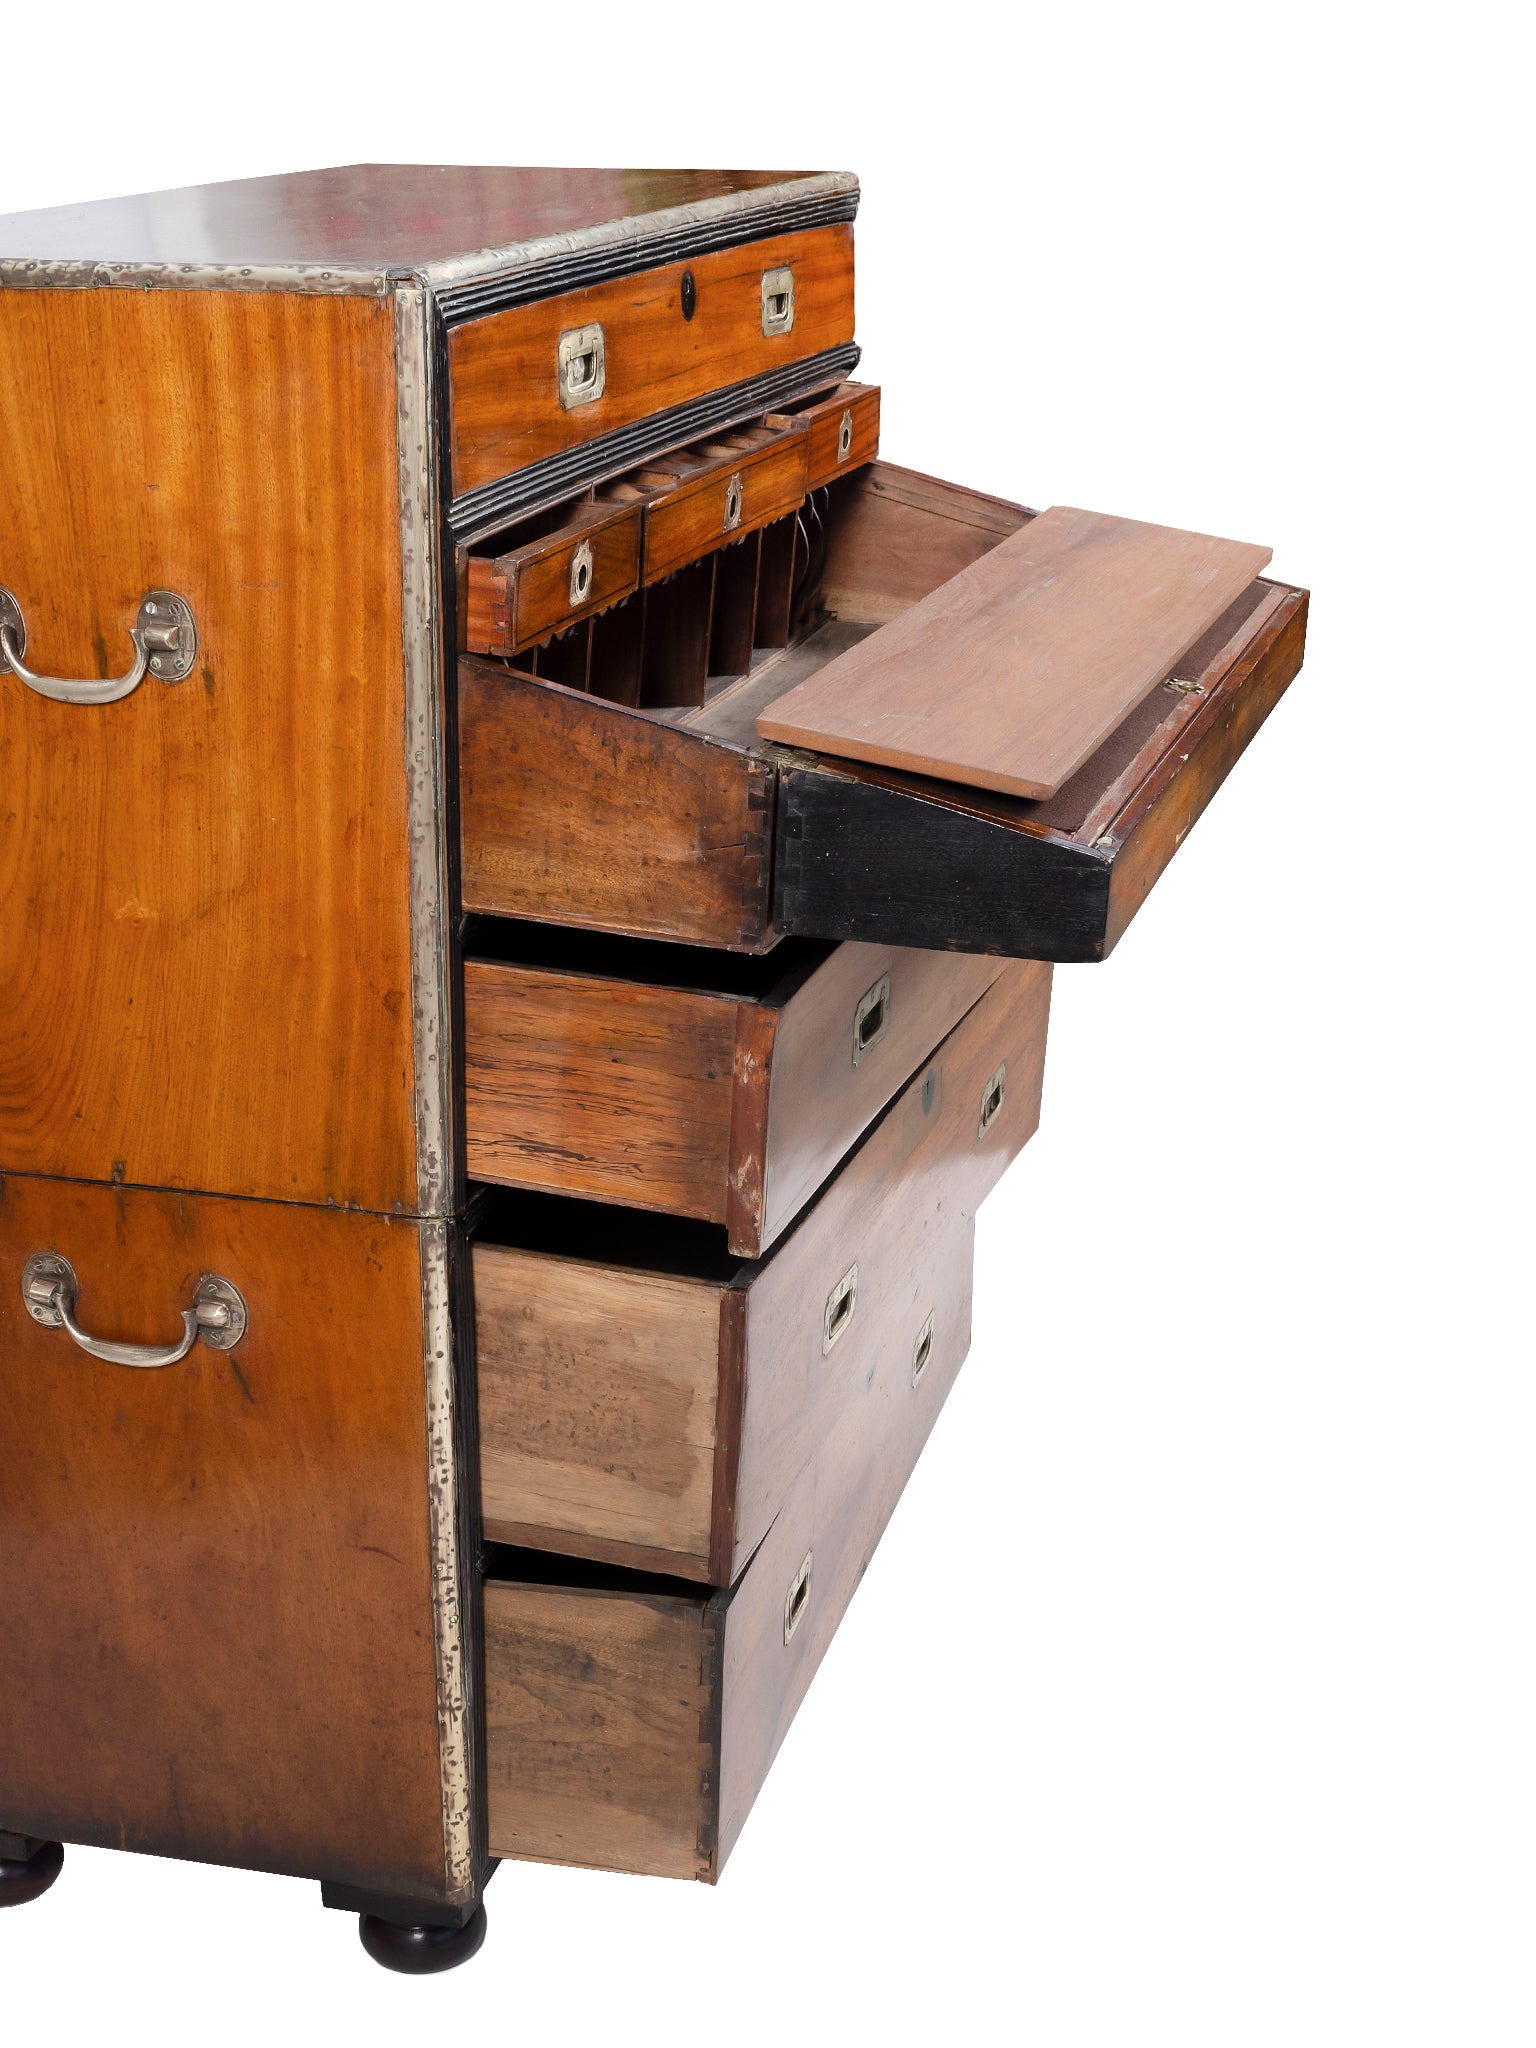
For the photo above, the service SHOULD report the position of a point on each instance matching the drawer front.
(733, 1108)
(742, 489)
(843, 431)
(515, 600)
(216, 1585)
(632, 1730)
(658, 1419)
(504, 370)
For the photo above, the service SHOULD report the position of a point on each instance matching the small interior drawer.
(702, 1084)
(588, 560)
(843, 431)
(647, 1400)
(718, 490)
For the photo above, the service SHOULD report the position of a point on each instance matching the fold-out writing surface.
(1009, 675)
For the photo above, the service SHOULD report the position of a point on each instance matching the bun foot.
(416, 1951)
(20, 1882)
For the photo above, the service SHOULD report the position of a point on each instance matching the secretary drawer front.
(621, 1075)
(632, 1730)
(517, 599)
(724, 487)
(646, 1401)
(535, 380)
(843, 431)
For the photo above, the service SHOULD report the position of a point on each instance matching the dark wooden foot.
(22, 1881)
(419, 1950)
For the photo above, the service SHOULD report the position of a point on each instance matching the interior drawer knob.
(798, 1598)
(992, 1100)
(217, 1314)
(838, 1314)
(871, 1016)
(164, 636)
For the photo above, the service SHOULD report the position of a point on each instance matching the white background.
(1189, 1698)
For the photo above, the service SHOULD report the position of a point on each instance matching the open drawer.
(647, 1400)
(684, 820)
(630, 1719)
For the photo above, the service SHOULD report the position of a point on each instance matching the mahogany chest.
(531, 863)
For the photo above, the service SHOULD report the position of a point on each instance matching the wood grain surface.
(589, 814)
(633, 1416)
(700, 1103)
(504, 397)
(215, 1579)
(1010, 675)
(205, 971)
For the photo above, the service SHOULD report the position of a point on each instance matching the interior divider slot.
(565, 658)
(618, 652)
(775, 583)
(677, 621)
(735, 608)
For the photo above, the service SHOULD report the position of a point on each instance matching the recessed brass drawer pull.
(583, 369)
(992, 1100)
(164, 637)
(778, 301)
(798, 1598)
(841, 1303)
(217, 1314)
(871, 1015)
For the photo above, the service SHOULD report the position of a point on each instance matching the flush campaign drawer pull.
(871, 1015)
(217, 1314)
(164, 636)
(798, 1598)
(992, 1100)
(778, 301)
(838, 1314)
(581, 361)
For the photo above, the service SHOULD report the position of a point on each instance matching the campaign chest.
(531, 863)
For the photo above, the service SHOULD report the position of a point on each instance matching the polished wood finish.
(505, 407)
(1011, 674)
(590, 814)
(869, 853)
(732, 1107)
(859, 404)
(384, 216)
(205, 978)
(215, 1582)
(657, 1419)
(686, 519)
(521, 597)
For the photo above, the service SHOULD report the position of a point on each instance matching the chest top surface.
(373, 219)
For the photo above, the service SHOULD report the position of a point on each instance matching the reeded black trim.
(553, 275)
(574, 469)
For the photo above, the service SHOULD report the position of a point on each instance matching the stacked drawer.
(724, 1206)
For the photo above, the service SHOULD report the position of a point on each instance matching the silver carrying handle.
(217, 1314)
(164, 636)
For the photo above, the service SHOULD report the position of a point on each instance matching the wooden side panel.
(216, 1630)
(820, 1099)
(1011, 674)
(598, 1391)
(205, 975)
(599, 1728)
(503, 369)
(894, 534)
(612, 1089)
(583, 813)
